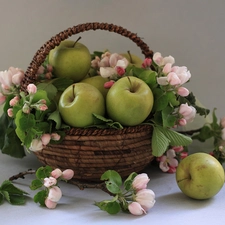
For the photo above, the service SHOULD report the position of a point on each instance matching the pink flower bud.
(54, 194)
(147, 63)
(140, 181)
(42, 107)
(167, 68)
(14, 101)
(171, 169)
(136, 209)
(183, 155)
(45, 138)
(120, 71)
(2, 99)
(56, 173)
(178, 148)
(182, 122)
(55, 137)
(10, 112)
(31, 88)
(173, 79)
(182, 91)
(67, 174)
(50, 204)
(188, 112)
(50, 181)
(222, 122)
(146, 198)
(109, 84)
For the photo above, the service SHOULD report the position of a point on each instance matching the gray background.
(192, 31)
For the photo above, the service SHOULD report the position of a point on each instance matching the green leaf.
(129, 180)
(55, 116)
(172, 98)
(62, 83)
(9, 187)
(1, 198)
(160, 142)
(17, 199)
(149, 77)
(6, 196)
(167, 117)
(35, 184)
(112, 207)
(160, 100)
(113, 181)
(41, 94)
(50, 89)
(40, 197)
(26, 121)
(176, 139)
(43, 172)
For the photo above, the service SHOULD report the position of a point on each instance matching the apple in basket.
(129, 101)
(98, 82)
(71, 59)
(200, 176)
(78, 102)
(133, 59)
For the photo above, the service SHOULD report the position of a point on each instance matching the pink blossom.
(67, 174)
(10, 112)
(168, 160)
(188, 112)
(120, 71)
(182, 91)
(14, 101)
(2, 98)
(45, 138)
(42, 107)
(17, 76)
(172, 169)
(182, 72)
(31, 88)
(36, 145)
(223, 133)
(6, 79)
(95, 62)
(183, 155)
(56, 173)
(54, 194)
(161, 61)
(182, 122)
(178, 148)
(109, 84)
(55, 137)
(107, 72)
(104, 62)
(50, 204)
(162, 81)
(136, 209)
(49, 181)
(222, 121)
(173, 79)
(146, 198)
(147, 63)
(140, 181)
(167, 68)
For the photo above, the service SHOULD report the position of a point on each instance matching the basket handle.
(42, 53)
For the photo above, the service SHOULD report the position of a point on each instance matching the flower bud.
(140, 181)
(136, 209)
(50, 181)
(31, 88)
(36, 145)
(146, 198)
(54, 194)
(55, 137)
(56, 173)
(222, 121)
(67, 174)
(10, 112)
(120, 71)
(42, 107)
(147, 63)
(14, 101)
(109, 84)
(182, 91)
(26, 108)
(45, 138)
(50, 204)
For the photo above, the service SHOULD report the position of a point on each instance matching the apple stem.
(131, 89)
(131, 60)
(76, 41)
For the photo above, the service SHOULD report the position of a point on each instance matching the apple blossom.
(14, 101)
(95, 62)
(171, 169)
(182, 72)
(54, 194)
(167, 68)
(161, 61)
(31, 88)
(45, 138)
(56, 173)
(36, 145)
(223, 133)
(55, 137)
(183, 155)
(168, 160)
(146, 198)
(222, 122)
(147, 63)
(120, 71)
(162, 81)
(2, 98)
(67, 174)
(136, 209)
(50, 204)
(50, 181)
(42, 107)
(173, 79)
(182, 122)
(140, 181)
(10, 112)
(26, 108)
(6, 79)
(178, 148)
(17, 76)
(188, 112)
(182, 91)
(109, 84)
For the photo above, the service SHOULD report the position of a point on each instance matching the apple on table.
(129, 101)
(71, 59)
(78, 103)
(200, 176)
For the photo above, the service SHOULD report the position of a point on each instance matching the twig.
(22, 174)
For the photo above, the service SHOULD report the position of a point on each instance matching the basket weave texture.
(90, 152)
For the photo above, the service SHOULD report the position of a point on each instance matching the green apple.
(98, 82)
(133, 59)
(200, 176)
(78, 102)
(129, 101)
(71, 60)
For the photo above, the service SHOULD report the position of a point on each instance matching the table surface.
(76, 206)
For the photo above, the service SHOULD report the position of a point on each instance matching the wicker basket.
(90, 152)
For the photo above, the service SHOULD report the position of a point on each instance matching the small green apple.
(133, 59)
(129, 101)
(78, 102)
(71, 60)
(98, 82)
(200, 176)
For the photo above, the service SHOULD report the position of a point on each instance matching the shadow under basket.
(90, 152)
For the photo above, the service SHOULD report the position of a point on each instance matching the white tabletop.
(76, 206)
